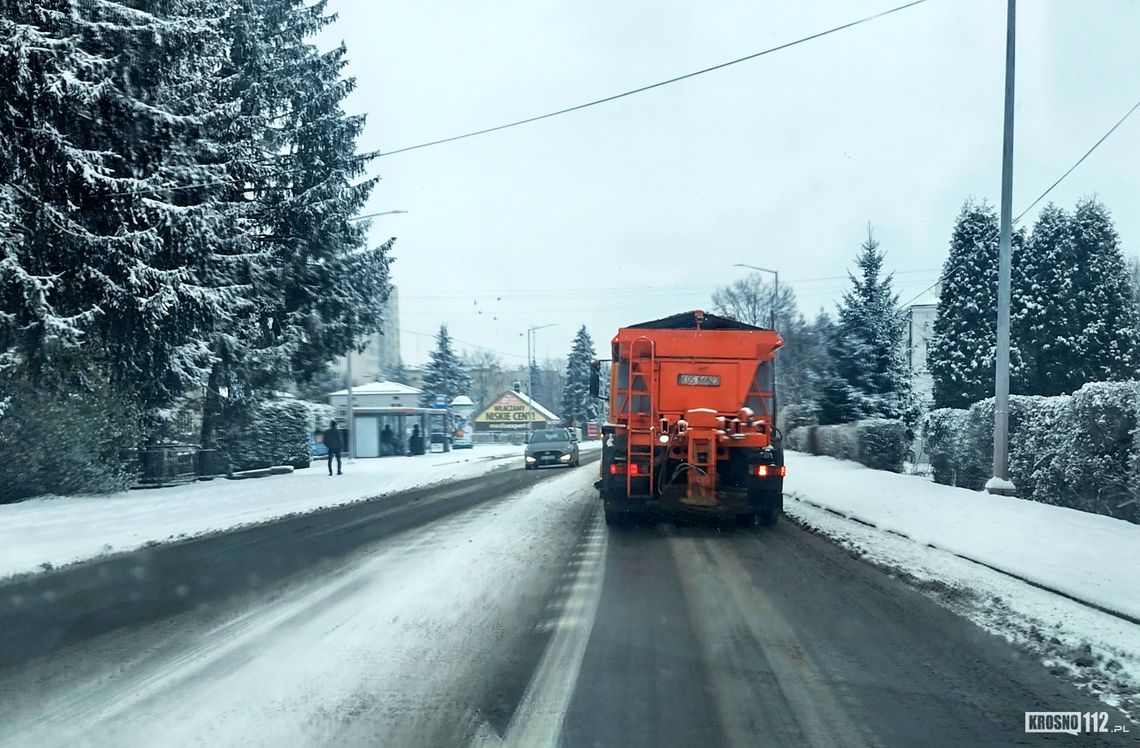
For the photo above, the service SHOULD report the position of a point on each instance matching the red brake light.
(783, 471)
(614, 468)
(762, 471)
(633, 468)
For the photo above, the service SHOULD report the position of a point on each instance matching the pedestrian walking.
(333, 442)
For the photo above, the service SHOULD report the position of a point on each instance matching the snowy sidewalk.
(1092, 558)
(61, 530)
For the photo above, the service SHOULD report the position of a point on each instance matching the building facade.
(920, 328)
(514, 411)
(382, 354)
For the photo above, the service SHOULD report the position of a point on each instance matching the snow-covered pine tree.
(961, 354)
(316, 287)
(90, 140)
(867, 344)
(1043, 313)
(534, 381)
(330, 286)
(830, 396)
(577, 405)
(445, 378)
(1104, 330)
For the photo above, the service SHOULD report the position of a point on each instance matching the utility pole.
(349, 418)
(1000, 482)
(530, 371)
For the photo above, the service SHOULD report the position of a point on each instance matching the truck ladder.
(641, 428)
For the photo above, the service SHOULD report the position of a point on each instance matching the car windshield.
(549, 436)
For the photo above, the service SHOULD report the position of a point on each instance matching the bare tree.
(750, 300)
(485, 369)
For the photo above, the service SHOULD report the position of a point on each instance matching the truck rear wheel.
(769, 515)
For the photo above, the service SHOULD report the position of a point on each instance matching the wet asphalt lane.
(774, 636)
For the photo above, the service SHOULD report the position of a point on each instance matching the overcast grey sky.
(638, 209)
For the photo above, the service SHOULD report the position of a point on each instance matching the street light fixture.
(530, 370)
(374, 215)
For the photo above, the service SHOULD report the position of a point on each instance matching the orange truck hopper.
(691, 423)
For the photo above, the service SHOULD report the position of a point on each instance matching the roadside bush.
(1038, 455)
(792, 417)
(1080, 451)
(883, 443)
(878, 443)
(319, 415)
(943, 429)
(64, 441)
(1104, 447)
(838, 441)
(798, 438)
(277, 433)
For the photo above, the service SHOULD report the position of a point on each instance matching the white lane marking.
(538, 719)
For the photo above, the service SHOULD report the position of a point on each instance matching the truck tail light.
(762, 471)
(783, 471)
(766, 471)
(633, 470)
(616, 468)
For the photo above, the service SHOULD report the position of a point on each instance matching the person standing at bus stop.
(332, 440)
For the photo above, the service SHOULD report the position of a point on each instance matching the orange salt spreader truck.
(691, 426)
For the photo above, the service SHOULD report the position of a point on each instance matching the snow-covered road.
(519, 618)
(54, 531)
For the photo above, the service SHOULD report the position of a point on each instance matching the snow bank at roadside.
(54, 531)
(1096, 651)
(1093, 558)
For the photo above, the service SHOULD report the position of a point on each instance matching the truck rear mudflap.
(766, 504)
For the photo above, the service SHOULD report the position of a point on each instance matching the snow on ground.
(382, 652)
(53, 531)
(1093, 558)
(1090, 557)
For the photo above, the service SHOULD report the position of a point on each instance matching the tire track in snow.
(539, 717)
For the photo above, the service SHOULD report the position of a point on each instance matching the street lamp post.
(350, 420)
(530, 370)
(1000, 483)
(775, 300)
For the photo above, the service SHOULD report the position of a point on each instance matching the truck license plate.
(699, 380)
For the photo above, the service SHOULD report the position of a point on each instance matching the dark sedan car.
(550, 448)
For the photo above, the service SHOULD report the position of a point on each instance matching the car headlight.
(530, 458)
(565, 457)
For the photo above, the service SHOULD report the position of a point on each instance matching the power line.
(1079, 161)
(464, 342)
(1046, 192)
(659, 84)
(509, 294)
